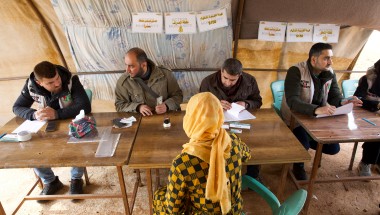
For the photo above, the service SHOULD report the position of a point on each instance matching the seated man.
(369, 91)
(59, 95)
(311, 88)
(145, 87)
(206, 177)
(231, 84)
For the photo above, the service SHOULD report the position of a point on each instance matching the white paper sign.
(212, 19)
(147, 23)
(180, 23)
(326, 33)
(272, 31)
(299, 32)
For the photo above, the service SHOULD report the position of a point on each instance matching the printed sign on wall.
(147, 22)
(299, 32)
(326, 33)
(272, 31)
(212, 19)
(180, 23)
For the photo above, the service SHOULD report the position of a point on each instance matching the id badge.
(159, 100)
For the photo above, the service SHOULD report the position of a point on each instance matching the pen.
(2, 135)
(369, 121)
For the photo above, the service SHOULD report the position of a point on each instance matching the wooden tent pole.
(237, 27)
(49, 31)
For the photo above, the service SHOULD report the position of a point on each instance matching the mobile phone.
(159, 100)
(51, 126)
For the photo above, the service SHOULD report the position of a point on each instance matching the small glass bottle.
(166, 123)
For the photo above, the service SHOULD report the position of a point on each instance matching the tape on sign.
(24, 136)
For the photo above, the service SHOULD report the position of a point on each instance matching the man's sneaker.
(76, 187)
(51, 188)
(299, 172)
(364, 169)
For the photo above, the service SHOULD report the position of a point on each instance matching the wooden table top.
(50, 149)
(270, 141)
(342, 128)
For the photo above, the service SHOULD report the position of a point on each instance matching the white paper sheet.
(235, 110)
(345, 109)
(244, 115)
(31, 126)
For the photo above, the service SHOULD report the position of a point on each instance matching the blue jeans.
(47, 175)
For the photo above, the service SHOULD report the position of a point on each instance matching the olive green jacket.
(129, 94)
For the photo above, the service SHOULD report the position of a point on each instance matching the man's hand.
(145, 110)
(241, 103)
(328, 109)
(225, 104)
(45, 114)
(352, 99)
(160, 109)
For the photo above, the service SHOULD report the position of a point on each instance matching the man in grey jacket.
(311, 88)
(145, 87)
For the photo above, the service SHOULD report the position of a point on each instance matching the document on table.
(31, 126)
(237, 113)
(345, 109)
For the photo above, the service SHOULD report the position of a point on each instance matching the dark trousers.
(253, 171)
(371, 151)
(308, 142)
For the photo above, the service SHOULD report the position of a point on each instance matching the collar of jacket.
(155, 74)
(244, 81)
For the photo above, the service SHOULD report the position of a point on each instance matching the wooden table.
(347, 128)
(50, 149)
(270, 140)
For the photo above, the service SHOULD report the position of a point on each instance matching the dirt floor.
(361, 197)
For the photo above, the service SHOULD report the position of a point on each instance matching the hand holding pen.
(352, 99)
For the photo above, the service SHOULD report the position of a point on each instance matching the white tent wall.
(25, 41)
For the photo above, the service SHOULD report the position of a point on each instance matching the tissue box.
(81, 127)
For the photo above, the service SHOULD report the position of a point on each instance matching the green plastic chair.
(292, 205)
(349, 87)
(89, 94)
(277, 88)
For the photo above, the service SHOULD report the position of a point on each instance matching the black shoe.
(299, 172)
(76, 187)
(51, 188)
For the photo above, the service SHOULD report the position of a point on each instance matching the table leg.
(2, 212)
(122, 188)
(313, 176)
(284, 174)
(157, 179)
(150, 191)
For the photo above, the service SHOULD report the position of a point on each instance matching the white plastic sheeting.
(99, 34)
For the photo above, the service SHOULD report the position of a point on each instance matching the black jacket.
(22, 106)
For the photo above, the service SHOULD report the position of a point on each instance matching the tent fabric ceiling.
(343, 12)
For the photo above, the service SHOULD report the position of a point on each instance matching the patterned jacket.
(187, 184)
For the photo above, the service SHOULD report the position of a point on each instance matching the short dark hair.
(140, 54)
(232, 66)
(45, 69)
(317, 49)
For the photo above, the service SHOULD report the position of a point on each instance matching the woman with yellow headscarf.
(206, 177)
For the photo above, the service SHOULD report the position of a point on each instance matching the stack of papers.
(31, 126)
(237, 113)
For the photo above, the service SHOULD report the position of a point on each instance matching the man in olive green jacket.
(131, 96)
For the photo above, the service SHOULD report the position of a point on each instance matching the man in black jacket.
(231, 84)
(59, 95)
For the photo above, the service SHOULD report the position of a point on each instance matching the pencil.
(369, 121)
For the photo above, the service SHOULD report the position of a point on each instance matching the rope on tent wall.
(237, 27)
(49, 31)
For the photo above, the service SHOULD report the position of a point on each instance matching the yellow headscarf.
(210, 142)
